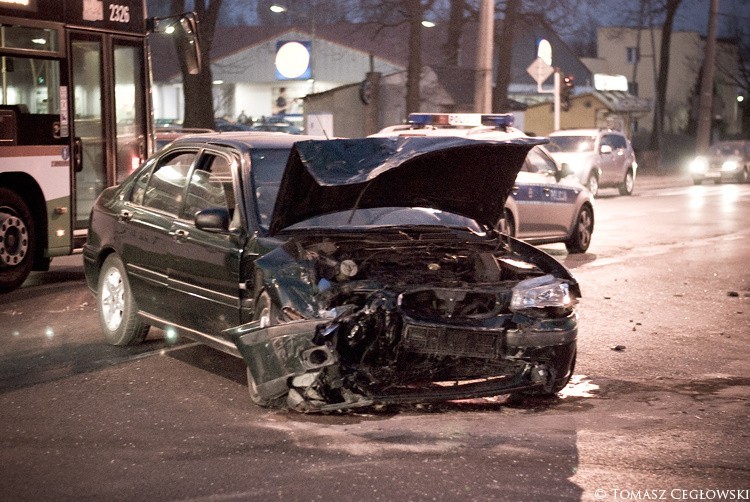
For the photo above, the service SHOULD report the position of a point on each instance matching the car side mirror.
(214, 219)
(605, 149)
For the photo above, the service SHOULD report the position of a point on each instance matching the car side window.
(162, 187)
(537, 162)
(618, 142)
(210, 186)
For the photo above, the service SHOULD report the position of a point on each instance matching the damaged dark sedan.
(346, 273)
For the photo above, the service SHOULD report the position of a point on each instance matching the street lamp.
(277, 9)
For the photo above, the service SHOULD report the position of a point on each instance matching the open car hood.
(453, 174)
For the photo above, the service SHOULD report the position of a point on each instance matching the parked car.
(547, 203)
(165, 135)
(344, 272)
(601, 158)
(724, 161)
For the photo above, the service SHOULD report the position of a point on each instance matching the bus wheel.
(17, 241)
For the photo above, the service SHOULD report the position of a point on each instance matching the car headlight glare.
(729, 165)
(699, 165)
(540, 292)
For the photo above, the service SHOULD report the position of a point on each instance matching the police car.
(547, 203)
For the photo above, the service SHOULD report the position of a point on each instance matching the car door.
(145, 222)
(204, 272)
(545, 208)
(612, 161)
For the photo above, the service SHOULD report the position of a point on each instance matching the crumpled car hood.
(458, 175)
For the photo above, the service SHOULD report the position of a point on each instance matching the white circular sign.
(544, 51)
(292, 60)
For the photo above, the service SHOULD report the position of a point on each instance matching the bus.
(75, 118)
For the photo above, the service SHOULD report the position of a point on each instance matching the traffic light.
(566, 91)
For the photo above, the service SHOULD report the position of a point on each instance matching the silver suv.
(601, 158)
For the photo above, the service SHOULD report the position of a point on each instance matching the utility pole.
(556, 96)
(705, 115)
(483, 76)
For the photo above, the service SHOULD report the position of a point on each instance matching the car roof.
(583, 132)
(244, 139)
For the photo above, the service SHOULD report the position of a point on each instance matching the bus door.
(109, 114)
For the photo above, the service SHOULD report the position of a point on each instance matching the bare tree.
(504, 45)
(669, 9)
(460, 11)
(392, 13)
(198, 89)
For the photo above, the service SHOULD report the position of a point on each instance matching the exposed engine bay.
(405, 318)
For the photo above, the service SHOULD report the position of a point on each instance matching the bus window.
(131, 141)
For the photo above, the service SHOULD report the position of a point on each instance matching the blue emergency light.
(498, 120)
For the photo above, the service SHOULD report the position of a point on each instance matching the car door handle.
(125, 215)
(179, 235)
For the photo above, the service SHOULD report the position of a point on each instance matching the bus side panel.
(50, 166)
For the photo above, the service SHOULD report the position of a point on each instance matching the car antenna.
(317, 117)
(359, 199)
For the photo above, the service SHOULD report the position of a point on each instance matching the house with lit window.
(635, 54)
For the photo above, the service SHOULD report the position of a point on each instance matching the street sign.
(539, 70)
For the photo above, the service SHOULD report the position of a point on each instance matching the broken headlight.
(540, 292)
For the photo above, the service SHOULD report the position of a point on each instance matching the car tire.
(559, 385)
(118, 311)
(17, 241)
(268, 315)
(580, 239)
(628, 183)
(697, 181)
(507, 224)
(592, 184)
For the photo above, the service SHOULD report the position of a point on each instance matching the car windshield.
(267, 168)
(724, 149)
(571, 143)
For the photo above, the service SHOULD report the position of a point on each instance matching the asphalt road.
(663, 417)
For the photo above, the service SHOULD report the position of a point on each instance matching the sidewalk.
(667, 179)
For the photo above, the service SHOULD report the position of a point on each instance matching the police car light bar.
(461, 119)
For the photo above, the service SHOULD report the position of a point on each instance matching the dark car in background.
(725, 161)
(345, 273)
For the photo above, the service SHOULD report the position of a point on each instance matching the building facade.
(635, 54)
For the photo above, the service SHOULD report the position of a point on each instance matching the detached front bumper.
(534, 354)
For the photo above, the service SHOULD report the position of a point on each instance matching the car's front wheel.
(628, 183)
(557, 386)
(581, 237)
(118, 311)
(593, 184)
